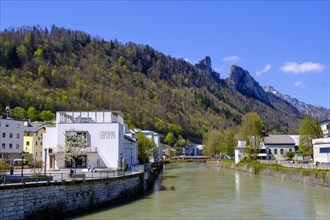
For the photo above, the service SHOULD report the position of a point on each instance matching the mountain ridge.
(61, 69)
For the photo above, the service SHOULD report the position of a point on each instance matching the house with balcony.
(321, 146)
(108, 140)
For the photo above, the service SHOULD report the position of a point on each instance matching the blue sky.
(284, 44)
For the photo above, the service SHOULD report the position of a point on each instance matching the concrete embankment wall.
(304, 176)
(54, 200)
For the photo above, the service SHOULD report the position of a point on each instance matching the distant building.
(108, 140)
(11, 138)
(277, 145)
(33, 141)
(272, 147)
(193, 150)
(321, 150)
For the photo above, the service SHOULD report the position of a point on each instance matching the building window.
(36, 154)
(36, 143)
(18, 125)
(281, 151)
(324, 150)
(27, 143)
(290, 150)
(270, 151)
(17, 146)
(40, 143)
(10, 146)
(275, 151)
(7, 125)
(11, 135)
(17, 135)
(3, 145)
(3, 134)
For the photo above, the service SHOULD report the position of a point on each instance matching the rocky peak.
(205, 64)
(243, 82)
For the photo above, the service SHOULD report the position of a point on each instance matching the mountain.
(243, 82)
(69, 70)
(318, 113)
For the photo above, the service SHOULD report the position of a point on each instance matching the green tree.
(170, 139)
(18, 113)
(32, 114)
(309, 130)
(146, 148)
(46, 115)
(251, 131)
(174, 128)
(290, 154)
(212, 142)
(229, 141)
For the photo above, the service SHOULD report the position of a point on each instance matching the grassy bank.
(313, 177)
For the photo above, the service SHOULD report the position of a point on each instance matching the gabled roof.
(33, 129)
(279, 140)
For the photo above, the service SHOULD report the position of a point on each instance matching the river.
(202, 191)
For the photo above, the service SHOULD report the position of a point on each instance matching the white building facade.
(108, 140)
(321, 150)
(11, 138)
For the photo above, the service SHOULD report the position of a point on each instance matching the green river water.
(203, 191)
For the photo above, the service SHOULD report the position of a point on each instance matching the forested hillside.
(61, 69)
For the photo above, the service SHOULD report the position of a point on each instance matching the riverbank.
(312, 177)
(54, 200)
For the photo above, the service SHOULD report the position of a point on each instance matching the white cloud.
(265, 69)
(299, 84)
(306, 67)
(232, 59)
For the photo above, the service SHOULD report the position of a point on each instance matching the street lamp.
(22, 154)
(121, 161)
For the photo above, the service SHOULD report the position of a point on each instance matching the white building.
(321, 150)
(11, 138)
(108, 140)
(155, 137)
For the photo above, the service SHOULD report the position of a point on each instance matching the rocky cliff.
(242, 81)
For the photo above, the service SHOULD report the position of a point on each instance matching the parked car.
(305, 161)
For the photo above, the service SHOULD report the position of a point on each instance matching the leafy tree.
(46, 115)
(18, 113)
(74, 145)
(146, 148)
(290, 154)
(174, 128)
(212, 140)
(170, 139)
(32, 114)
(229, 141)
(309, 130)
(251, 131)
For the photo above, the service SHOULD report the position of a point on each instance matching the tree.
(309, 130)
(251, 131)
(229, 141)
(46, 115)
(290, 154)
(212, 140)
(32, 114)
(74, 145)
(18, 113)
(146, 148)
(170, 139)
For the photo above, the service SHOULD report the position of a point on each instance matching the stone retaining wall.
(305, 176)
(54, 200)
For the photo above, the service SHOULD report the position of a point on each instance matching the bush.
(4, 167)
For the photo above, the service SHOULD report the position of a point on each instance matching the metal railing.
(63, 176)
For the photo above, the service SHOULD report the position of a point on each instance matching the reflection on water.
(201, 191)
